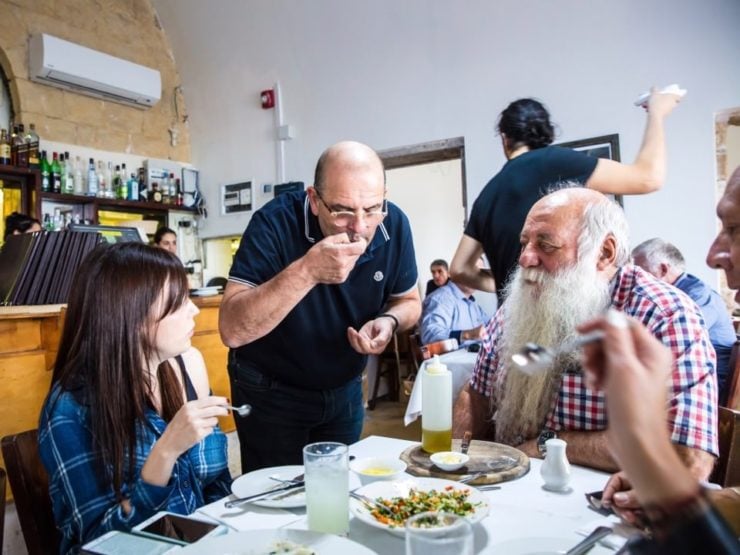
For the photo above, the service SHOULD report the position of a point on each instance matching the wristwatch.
(544, 436)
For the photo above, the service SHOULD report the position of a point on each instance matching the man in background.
(665, 261)
(451, 312)
(440, 276)
(17, 223)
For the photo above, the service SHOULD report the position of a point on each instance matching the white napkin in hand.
(248, 516)
(621, 532)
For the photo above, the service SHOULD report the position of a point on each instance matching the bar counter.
(29, 339)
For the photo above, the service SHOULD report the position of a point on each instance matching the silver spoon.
(533, 358)
(243, 410)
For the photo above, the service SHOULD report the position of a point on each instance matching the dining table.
(459, 362)
(523, 517)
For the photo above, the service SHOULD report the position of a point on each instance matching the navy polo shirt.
(309, 348)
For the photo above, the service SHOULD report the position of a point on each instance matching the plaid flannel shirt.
(83, 501)
(673, 318)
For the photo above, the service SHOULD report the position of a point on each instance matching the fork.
(370, 502)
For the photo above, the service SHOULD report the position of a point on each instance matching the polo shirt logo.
(378, 276)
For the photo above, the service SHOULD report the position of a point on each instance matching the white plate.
(205, 291)
(261, 542)
(258, 481)
(400, 488)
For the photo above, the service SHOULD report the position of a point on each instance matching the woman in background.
(533, 169)
(129, 427)
(165, 238)
(17, 223)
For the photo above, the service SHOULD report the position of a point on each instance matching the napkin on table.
(248, 516)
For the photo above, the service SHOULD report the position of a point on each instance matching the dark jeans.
(284, 419)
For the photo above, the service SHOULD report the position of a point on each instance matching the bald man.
(572, 267)
(321, 279)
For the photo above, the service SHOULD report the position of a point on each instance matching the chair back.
(727, 469)
(30, 486)
(2, 508)
(733, 392)
(438, 348)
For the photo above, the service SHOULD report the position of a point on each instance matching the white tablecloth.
(520, 511)
(459, 362)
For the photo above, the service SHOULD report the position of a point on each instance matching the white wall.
(395, 73)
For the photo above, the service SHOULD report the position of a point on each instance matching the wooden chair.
(727, 470)
(30, 486)
(733, 393)
(2, 508)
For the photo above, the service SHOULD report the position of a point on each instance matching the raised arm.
(248, 313)
(464, 267)
(647, 173)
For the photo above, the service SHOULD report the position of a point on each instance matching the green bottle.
(56, 175)
(45, 173)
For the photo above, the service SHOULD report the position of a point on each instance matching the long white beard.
(547, 314)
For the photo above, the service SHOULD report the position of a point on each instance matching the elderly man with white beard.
(572, 267)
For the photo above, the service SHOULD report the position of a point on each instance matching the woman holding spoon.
(129, 427)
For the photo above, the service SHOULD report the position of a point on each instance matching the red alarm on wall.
(268, 99)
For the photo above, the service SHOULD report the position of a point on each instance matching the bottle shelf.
(104, 203)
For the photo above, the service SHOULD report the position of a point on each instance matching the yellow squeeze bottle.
(436, 407)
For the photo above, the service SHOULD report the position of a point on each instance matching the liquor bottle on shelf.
(11, 139)
(164, 188)
(92, 179)
(180, 196)
(4, 148)
(133, 188)
(156, 193)
(21, 148)
(56, 174)
(117, 182)
(62, 173)
(45, 173)
(32, 145)
(143, 192)
(173, 189)
(79, 184)
(68, 185)
(102, 182)
(110, 191)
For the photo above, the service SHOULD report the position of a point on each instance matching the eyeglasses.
(346, 217)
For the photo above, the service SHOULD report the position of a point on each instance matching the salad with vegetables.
(450, 500)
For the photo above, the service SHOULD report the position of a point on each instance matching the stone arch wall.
(127, 29)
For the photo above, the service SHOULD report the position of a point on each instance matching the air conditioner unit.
(67, 65)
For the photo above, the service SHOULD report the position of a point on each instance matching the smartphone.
(115, 543)
(178, 529)
(594, 502)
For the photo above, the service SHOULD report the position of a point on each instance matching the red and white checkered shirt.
(673, 318)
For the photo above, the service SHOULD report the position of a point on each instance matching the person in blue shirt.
(129, 427)
(665, 261)
(322, 278)
(440, 276)
(451, 312)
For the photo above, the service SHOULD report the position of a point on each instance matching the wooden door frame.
(428, 153)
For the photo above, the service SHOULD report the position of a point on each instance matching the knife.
(258, 496)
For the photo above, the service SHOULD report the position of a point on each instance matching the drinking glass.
(438, 534)
(327, 487)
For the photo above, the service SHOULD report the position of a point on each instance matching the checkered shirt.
(673, 318)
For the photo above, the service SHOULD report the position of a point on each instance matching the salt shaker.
(555, 469)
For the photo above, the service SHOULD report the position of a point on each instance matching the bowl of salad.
(406, 498)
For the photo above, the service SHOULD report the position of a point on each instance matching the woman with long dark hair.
(533, 169)
(129, 427)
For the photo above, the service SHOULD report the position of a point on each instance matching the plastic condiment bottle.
(436, 407)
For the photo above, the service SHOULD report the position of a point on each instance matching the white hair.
(602, 218)
(656, 251)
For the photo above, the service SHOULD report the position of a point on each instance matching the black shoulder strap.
(190, 392)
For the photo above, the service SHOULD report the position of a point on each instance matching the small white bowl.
(449, 460)
(373, 469)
